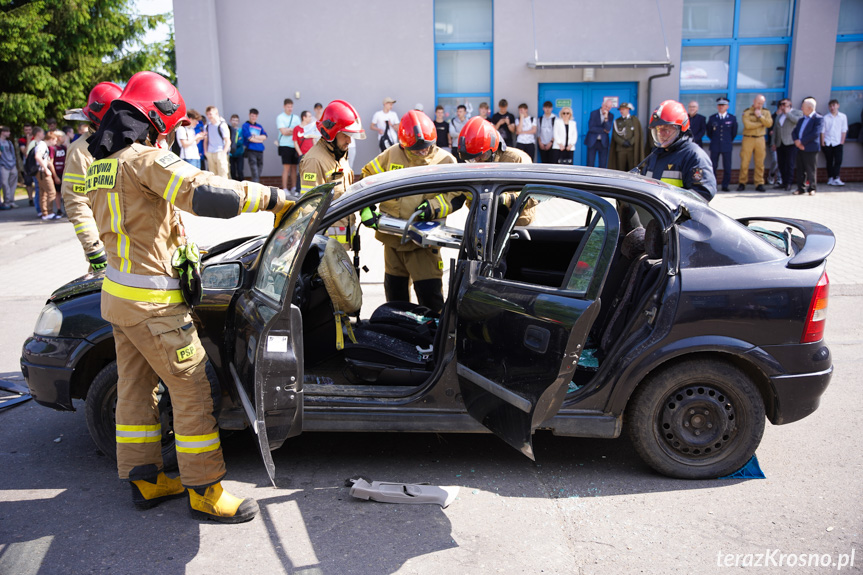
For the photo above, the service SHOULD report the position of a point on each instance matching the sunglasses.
(565, 114)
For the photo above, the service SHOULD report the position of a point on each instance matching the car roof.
(552, 174)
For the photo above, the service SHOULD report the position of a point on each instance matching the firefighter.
(78, 159)
(676, 159)
(479, 141)
(327, 160)
(135, 187)
(408, 262)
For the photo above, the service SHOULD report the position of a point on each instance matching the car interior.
(554, 243)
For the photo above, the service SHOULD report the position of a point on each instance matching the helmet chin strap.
(337, 153)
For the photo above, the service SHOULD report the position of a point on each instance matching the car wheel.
(100, 410)
(699, 419)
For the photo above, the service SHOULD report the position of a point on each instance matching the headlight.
(50, 321)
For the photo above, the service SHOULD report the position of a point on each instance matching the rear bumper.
(45, 365)
(798, 375)
(798, 395)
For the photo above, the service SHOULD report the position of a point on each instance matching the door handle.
(536, 338)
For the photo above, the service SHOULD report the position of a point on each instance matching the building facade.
(240, 55)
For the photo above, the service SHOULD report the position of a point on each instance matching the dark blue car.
(601, 301)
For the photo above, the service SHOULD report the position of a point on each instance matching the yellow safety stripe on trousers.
(253, 199)
(117, 228)
(444, 209)
(197, 443)
(139, 433)
(142, 294)
(85, 226)
(673, 182)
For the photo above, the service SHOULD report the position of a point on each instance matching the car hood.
(82, 285)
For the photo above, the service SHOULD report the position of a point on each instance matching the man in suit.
(782, 142)
(807, 138)
(722, 129)
(697, 122)
(598, 130)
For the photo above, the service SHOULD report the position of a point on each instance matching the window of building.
(848, 61)
(463, 54)
(735, 49)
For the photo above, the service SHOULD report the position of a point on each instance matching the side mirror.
(222, 276)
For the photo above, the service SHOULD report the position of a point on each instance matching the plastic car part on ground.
(411, 493)
(12, 394)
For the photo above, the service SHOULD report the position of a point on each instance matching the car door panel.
(518, 343)
(268, 353)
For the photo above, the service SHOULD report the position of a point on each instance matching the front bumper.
(46, 365)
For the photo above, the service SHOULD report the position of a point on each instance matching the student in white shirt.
(525, 132)
(832, 142)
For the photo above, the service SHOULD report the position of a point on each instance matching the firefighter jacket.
(683, 164)
(134, 193)
(755, 126)
(319, 166)
(512, 156)
(78, 159)
(395, 158)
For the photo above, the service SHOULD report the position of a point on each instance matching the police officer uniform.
(319, 166)
(683, 164)
(134, 193)
(409, 261)
(78, 209)
(722, 132)
(754, 131)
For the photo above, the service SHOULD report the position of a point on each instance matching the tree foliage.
(52, 52)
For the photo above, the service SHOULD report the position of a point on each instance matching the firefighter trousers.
(752, 146)
(166, 348)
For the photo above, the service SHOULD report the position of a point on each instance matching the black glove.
(426, 211)
(369, 217)
(98, 260)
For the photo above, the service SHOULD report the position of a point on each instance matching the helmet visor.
(475, 158)
(664, 135)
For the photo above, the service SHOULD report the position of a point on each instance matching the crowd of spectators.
(783, 148)
(35, 160)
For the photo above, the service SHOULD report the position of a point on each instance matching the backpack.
(31, 168)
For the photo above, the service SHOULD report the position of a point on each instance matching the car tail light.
(814, 329)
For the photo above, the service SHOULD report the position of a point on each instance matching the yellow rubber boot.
(216, 504)
(148, 494)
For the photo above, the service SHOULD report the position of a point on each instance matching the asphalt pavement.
(585, 507)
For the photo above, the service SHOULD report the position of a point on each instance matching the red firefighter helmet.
(339, 116)
(669, 113)
(478, 140)
(98, 101)
(416, 131)
(156, 98)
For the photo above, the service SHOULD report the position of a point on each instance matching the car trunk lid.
(812, 248)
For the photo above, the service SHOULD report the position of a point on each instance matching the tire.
(699, 419)
(100, 409)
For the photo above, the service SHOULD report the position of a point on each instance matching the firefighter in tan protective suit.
(327, 161)
(479, 142)
(78, 159)
(135, 188)
(408, 262)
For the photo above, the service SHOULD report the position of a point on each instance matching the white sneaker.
(830, 182)
(47, 218)
(838, 182)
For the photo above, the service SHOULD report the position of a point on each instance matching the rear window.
(712, 239)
